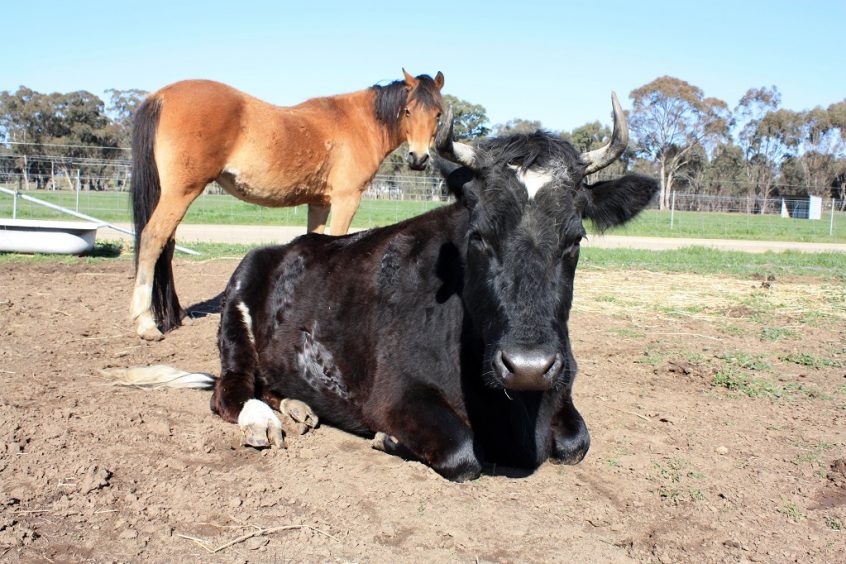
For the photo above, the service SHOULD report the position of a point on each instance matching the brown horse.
(323, 152)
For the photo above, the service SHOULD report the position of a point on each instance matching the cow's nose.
(417, 162)
(527, 369)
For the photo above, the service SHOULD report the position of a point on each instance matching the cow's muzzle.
(520, 368)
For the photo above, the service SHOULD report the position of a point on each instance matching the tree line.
(693, 143)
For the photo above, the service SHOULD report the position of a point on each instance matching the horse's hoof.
(151, 334)
(260, 425)
(300, 412)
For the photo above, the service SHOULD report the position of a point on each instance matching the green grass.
(697, 260)
(715, 225)
(810, 360)
(702, 260)
(114, 207)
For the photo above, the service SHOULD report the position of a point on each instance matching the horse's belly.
(273, 191)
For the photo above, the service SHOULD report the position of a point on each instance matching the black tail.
(146, 190)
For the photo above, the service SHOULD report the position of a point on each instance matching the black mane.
(390, 100)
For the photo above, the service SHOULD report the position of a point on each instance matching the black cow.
(446, 335)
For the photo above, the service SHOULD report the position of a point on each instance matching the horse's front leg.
(343, 209)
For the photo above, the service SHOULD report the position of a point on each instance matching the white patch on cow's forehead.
(248, 320)
(533, 178)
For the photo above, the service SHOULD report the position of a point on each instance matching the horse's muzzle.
(417, 162)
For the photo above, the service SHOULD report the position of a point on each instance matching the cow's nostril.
(527, 368)
(507, 363)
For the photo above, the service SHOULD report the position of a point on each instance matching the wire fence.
(389, 199)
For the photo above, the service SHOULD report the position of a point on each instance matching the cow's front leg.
(570, 437)
(424, 427)
(236, 392)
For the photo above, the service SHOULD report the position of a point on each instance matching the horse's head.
(419, 119)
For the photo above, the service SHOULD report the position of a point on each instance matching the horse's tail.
(146, 190)
(160, 376)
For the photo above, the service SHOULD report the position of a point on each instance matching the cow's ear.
(459, 180)
(615, 202)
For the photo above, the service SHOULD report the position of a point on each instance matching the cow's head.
(527, 200)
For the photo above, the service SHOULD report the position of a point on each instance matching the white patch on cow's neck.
(248, 320)
(533, 179)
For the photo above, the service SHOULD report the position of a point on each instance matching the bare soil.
(717, 409)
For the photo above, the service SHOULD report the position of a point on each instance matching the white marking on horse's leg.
(146, 328)
(142, 299)
(259, 423)
(248, 320)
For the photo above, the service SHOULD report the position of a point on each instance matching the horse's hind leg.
(317, 215)
(152, 277)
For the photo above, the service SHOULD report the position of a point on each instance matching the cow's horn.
(604, 156)
(452, 150)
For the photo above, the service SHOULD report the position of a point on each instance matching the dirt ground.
(717, 410)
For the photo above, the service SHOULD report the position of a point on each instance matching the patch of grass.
(628, 332)
(701, 260)
(650, 358)
(734, 380)
(792, 512)
(833, 523)
(810, 360)
(776, 333)
(745, 360)
(673, 472)
(730, 329)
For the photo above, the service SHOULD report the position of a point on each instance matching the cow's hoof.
(300, 413)
(260, 425)
(570, 450)
(385, 443)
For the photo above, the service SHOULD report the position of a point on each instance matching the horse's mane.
(390, 100)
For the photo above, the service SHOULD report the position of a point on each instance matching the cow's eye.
(477, 240)
(572, 249)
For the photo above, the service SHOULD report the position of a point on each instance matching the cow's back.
(344, 323)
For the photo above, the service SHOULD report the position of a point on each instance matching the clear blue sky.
(554, 61)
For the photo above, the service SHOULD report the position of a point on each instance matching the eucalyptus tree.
(669, 119)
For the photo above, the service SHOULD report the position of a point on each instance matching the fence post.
(15, 199)
(831, 221)
(672, 208)
(77, 190)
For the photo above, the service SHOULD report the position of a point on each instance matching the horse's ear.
(409, 80)
(439, 80)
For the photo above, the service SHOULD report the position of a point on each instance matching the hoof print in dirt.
(96, 478)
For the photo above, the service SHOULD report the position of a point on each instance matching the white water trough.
(43, 236)
(23, 234)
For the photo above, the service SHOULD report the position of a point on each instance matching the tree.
(121, 109)
(671, 117)
(470, 119)
(516, 125)
(763, 138)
